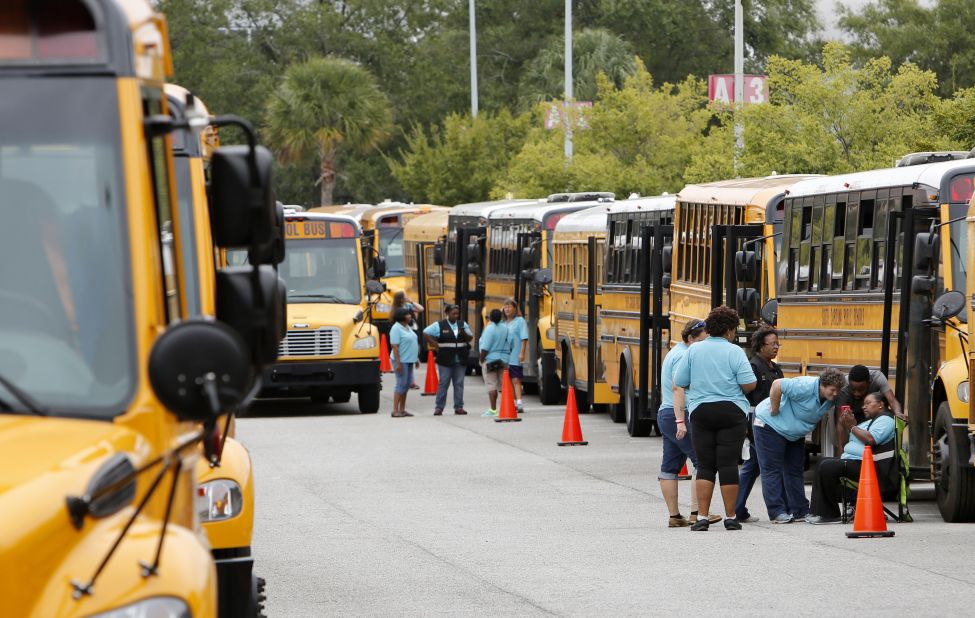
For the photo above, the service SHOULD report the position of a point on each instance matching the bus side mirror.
(199, 369)
(747, 302)
(438, 254)
(770, 312)
(378, 267)
(947, 306)
(527, 258)
(925, 250)
(374, 287)
(543, 276)
(667, 257)
(257, 312)
(746, 267)
(243, 212)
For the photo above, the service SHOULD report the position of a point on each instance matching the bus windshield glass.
(959, 241)
(322, 271)
(391, 248)
(65, 319)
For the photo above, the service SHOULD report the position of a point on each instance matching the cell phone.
(846, 409)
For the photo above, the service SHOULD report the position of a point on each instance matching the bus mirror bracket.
(770, 312)
(921, 284)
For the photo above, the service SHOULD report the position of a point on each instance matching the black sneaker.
(701, 525)
(732, 523)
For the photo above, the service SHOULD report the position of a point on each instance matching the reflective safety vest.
(452, 349)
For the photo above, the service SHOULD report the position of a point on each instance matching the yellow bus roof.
(741, 191)
(429, 227)
(368, 217)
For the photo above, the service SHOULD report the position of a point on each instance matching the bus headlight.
(963, 392)
(383, 307)
(218, 500)
(158, 607)
(366, 343)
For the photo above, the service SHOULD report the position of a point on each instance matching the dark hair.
(400, 314)
(859, 373)
(495, 315)
(721, 320)
(399, 299)
(450, 307)
(832, 377)
(758, 337)
(879, 397)
(691, 329)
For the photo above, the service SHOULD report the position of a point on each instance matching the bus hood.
(317, 315)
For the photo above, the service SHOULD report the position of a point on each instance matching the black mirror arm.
(153, 569)
(759, 239)
(248, 129)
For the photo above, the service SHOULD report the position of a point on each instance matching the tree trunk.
(327, 175)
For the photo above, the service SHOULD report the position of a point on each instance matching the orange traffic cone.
(684, 475)
(869, 519)
(507, 413)
(433, 383)
(571, 431)
(384, 365)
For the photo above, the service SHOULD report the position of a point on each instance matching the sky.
(828, 13)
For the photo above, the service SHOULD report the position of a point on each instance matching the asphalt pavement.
(368, 515)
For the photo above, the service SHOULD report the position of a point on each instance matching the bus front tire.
(955, 485)
(635, 426)
(369, 399)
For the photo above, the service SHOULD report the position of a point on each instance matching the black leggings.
(718, 432)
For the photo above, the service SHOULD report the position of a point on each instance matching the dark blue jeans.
(452, 374)
(781, 461)
(676, 452)
(749, 473)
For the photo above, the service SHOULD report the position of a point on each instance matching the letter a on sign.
(721, 89)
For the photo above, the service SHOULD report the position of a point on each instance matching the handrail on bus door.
(889, 257)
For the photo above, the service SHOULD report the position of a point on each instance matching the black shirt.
(766, 372)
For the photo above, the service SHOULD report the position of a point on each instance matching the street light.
(739, 84)
(473, 29)
(568, 80)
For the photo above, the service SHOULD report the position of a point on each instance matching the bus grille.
(321, 342)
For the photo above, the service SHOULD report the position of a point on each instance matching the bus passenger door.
(737, 273)
(470, 280)
(429, 283)
(529, 292)
(654, 240)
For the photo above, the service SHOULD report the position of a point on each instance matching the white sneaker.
(782, 518)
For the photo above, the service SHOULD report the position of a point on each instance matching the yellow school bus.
(575, 289)
(225, 487)
(331, 349)
(423, 238)
(464, 258)
(109, 385)
(841, 303)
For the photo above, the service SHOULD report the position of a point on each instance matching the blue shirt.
(712, 371)
(882, 430)
(405, 338)
(667, 374)
(799, 408)
(434, 331)
(517, 332)
(494, 341)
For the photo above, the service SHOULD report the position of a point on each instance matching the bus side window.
(880, 218)
(864, 241)
(838, 245)
(816, 244)
(852, 215)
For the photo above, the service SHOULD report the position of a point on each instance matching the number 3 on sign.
(756, 89)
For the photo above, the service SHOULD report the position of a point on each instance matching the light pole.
(473, 29)
(568, 80)
(739, 84)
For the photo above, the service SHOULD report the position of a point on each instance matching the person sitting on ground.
(877, 431)
(493, 346)
(861, 382)
(765, 347)
(718, 376)
(405, 355)
(782, 421)
(671, 419)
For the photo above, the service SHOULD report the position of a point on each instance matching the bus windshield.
(322, 271)
(65, 323)
(391, 248)
(958, 234)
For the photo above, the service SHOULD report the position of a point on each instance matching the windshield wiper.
(330, 297)
(29, 402)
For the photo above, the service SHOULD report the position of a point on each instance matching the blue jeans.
(676, 452)
(404, 379)
(451, 374)
(749, 473)
(781, 461)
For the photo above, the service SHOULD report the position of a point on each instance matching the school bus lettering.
(306, 229)
(842, 316)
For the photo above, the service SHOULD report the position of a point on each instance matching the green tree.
(594, 52)
(829, 120)
(461, 161)
(325, 106)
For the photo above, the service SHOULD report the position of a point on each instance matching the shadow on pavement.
(283, 408)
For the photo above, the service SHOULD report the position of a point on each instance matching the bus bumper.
(299, 375)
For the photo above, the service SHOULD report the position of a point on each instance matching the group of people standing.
(714, 399)
(503, 346)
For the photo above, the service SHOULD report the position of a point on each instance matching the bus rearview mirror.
(438, 255)
(747, 303)
(947, 306)
(770, 312)
(746, 266)
(243, 212)
(255, 307)
(925, 249)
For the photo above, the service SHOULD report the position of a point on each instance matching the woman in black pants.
(717, 375)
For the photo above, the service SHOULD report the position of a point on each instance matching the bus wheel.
(369, 399)
(635, 426)
(549, 387)
(258, 596)
(954, 476)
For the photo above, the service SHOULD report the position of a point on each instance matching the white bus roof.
(591, 219)
(930, 174)
(483, 209)
(538, 210)
(655, 202)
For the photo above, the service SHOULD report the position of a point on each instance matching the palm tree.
(324, 105)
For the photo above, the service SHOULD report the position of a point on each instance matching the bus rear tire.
(369, 399)
(955, 485)
(549, 386)
(636, 427)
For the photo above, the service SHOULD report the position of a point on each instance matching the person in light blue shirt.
(493, 350)
(793, 408)
(517, 345)
(878, 431)
(671, 420)
(404, 356)
(717, 376)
